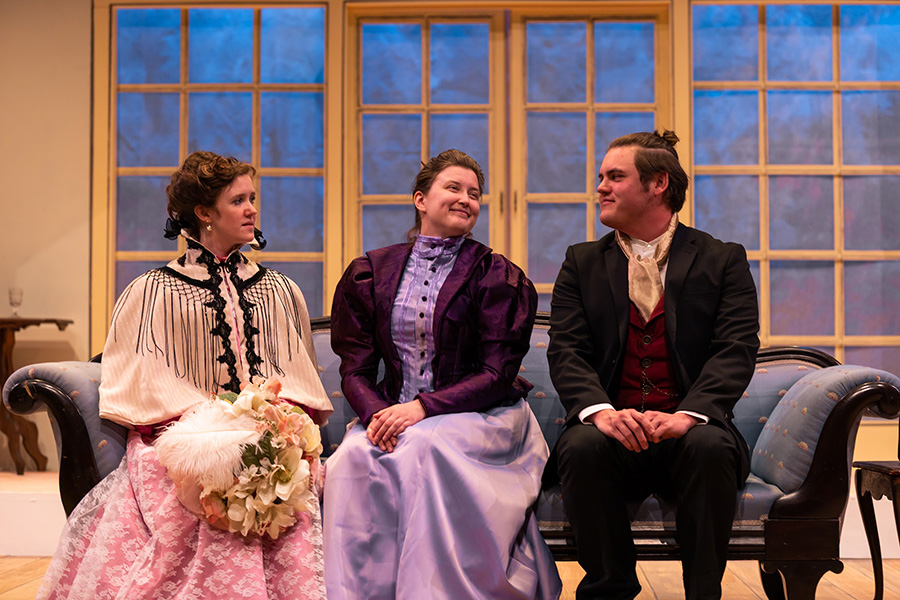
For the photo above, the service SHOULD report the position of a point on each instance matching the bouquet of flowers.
(244, 462)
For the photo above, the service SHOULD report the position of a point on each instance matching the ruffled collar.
(431, 247)
(200, 264)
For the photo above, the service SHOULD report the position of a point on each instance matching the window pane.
(800, 129)
(308, 277)
(147, 134)
(726, 127)
(460, 66)
(544, 301)
(871, 127)
(292, 45)
(802, 297)
(556, 57)
(801, 213)
(625, 65)
(871, 290)
(221, 122)
(391, 63)
(611, 125)
(556, 152)
(754, 272)
(292, 213)
(220, 45)
(127, 271)
(886, 358)
(869, 48)
(385, 225)
(292, 129)
(148, 45)
(390, 153)
(552, 228)
(727, 207)
(141, 214)
(726, 45)
(872, 212)
(466, 132)
(798, 43)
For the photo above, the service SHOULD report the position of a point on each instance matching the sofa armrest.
(806, 446)
(89, 447)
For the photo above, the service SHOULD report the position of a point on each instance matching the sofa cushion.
(769, 383)
(787, 443)
(543, 399)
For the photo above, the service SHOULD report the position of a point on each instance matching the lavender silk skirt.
(446, 515)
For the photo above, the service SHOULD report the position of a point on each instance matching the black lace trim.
(251, 332)
(222, 329)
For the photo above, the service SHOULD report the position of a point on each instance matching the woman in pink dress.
(204, 324)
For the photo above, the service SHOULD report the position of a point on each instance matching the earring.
(209, 227)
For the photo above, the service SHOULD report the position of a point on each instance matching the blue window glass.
(871, 127)
(308, 277)
(544, 302)
(386, 224)
(552, 228)
(726, 127)
(391, 63)
(755, 273)
(869, 48)
(467, 132)
(727, 207)
(872, 212)
(871, 289)
(292, 213)
(556, 61)
(800, 130)
(147, 130)
(148, 45)
(221, 122)
(292, 129)
(481, 231)
(556, 152)
(127, 271)
(612, 125)
(460, 63)
(801, 213)
(798, 42)
(220, 45)
(625, 69)
(802, 297)
(726, 42)
(292, 45)
(391, 151)
(141, 214)
(886, 358)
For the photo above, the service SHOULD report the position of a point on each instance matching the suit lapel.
(681, 257)
(617, 279)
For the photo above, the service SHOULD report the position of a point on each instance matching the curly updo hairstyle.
(198, 182)
(429, 172)
(655, 153)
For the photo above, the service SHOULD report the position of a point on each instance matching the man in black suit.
(653, 339)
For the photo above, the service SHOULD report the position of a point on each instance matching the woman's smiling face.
(450, 207)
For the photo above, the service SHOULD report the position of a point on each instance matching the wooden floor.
(20, 578)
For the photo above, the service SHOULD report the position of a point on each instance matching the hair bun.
(668, 136)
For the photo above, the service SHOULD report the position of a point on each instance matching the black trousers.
(599, 476)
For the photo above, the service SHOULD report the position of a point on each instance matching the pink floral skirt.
(131, 538)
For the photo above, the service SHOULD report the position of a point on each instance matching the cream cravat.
(645, 286)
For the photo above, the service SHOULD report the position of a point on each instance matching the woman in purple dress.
(428, 496)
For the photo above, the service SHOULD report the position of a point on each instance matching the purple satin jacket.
(482, 328)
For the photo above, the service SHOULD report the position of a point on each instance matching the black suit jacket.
(712, 325)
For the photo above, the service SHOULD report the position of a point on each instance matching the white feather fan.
(205, 446)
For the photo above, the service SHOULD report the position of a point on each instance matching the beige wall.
(45, 117)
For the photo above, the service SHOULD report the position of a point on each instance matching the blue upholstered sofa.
(799, 415)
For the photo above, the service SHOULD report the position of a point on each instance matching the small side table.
(876, 480)
(14, 426)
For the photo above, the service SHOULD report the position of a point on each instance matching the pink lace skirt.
(131, 538)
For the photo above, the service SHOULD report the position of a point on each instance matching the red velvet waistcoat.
(647, 365)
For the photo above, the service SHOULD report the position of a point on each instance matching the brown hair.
(655, 153)
(433, 168)
(198, 182)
